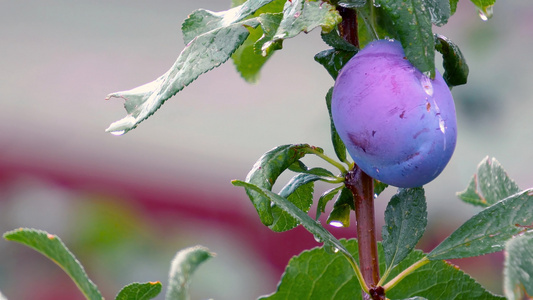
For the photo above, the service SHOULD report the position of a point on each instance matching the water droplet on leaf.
(318, 239)
(118, 132)
(486, 12)
(336, 223)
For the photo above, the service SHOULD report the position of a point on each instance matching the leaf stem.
(369, 19)
(405, 272)
(329, 160)
(357, 271)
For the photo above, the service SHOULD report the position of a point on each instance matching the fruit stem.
(348, 25)
(362, 187)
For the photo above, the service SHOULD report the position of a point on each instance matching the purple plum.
(398, 125)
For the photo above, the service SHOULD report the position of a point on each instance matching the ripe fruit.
(398, 125)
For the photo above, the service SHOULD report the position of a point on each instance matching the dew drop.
(337, 224)
(118, 132)
(375, 3)
(427, 85)
(318, 239)
(486, 12)
(442, 126)
(375, 196)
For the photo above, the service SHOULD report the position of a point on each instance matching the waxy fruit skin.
(398, 125)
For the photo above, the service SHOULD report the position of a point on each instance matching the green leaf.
(484, 7)
(518, 272)
(351, 3)
(298, 191)
(437, 280)
(488, 231)
(247, 62)
(379, 187)
(182, 268)
(316, 274)
(338, 144)
(52, 247)
(311, 225)
(440, 11)
(140, 291)
(324, 199)
(248, 58)
(455, 67)
(333, 60)
(211, 38)
(300, 167)
(266, 171)
(334, 40)
(412, 23)
(453, 6)
(405, 223)
(489, 185)
(340, 214)
(303, 16)
(203, 21)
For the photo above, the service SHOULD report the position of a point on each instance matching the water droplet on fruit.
(427, 85)
(486, 12)
(442, 125)
(118, 132)
(337, 224)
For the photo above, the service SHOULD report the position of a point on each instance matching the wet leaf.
(489, 185)
(314, 227)
(485, 7)
(518, 271)
(405, 223)
(488, 231)
(248, 59)
(182, 268)
(334, 40)
(379, 187)
(342, 208)
(265, 172)
(316, 274)
(52, 247)
(334, 60)
(455, 67)
(140, 291)
(440, 11)
(412, 22)
(437, 280)
(298, 191)
(303, 16)
(324, 199)
(211, 38)
(352, 3)
(453, 6)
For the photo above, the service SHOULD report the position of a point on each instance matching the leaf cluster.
(182, 267)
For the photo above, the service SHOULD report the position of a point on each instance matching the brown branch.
(362, 187)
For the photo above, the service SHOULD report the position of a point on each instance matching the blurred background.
(124, 205)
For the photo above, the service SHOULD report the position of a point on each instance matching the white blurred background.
(126, 204)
